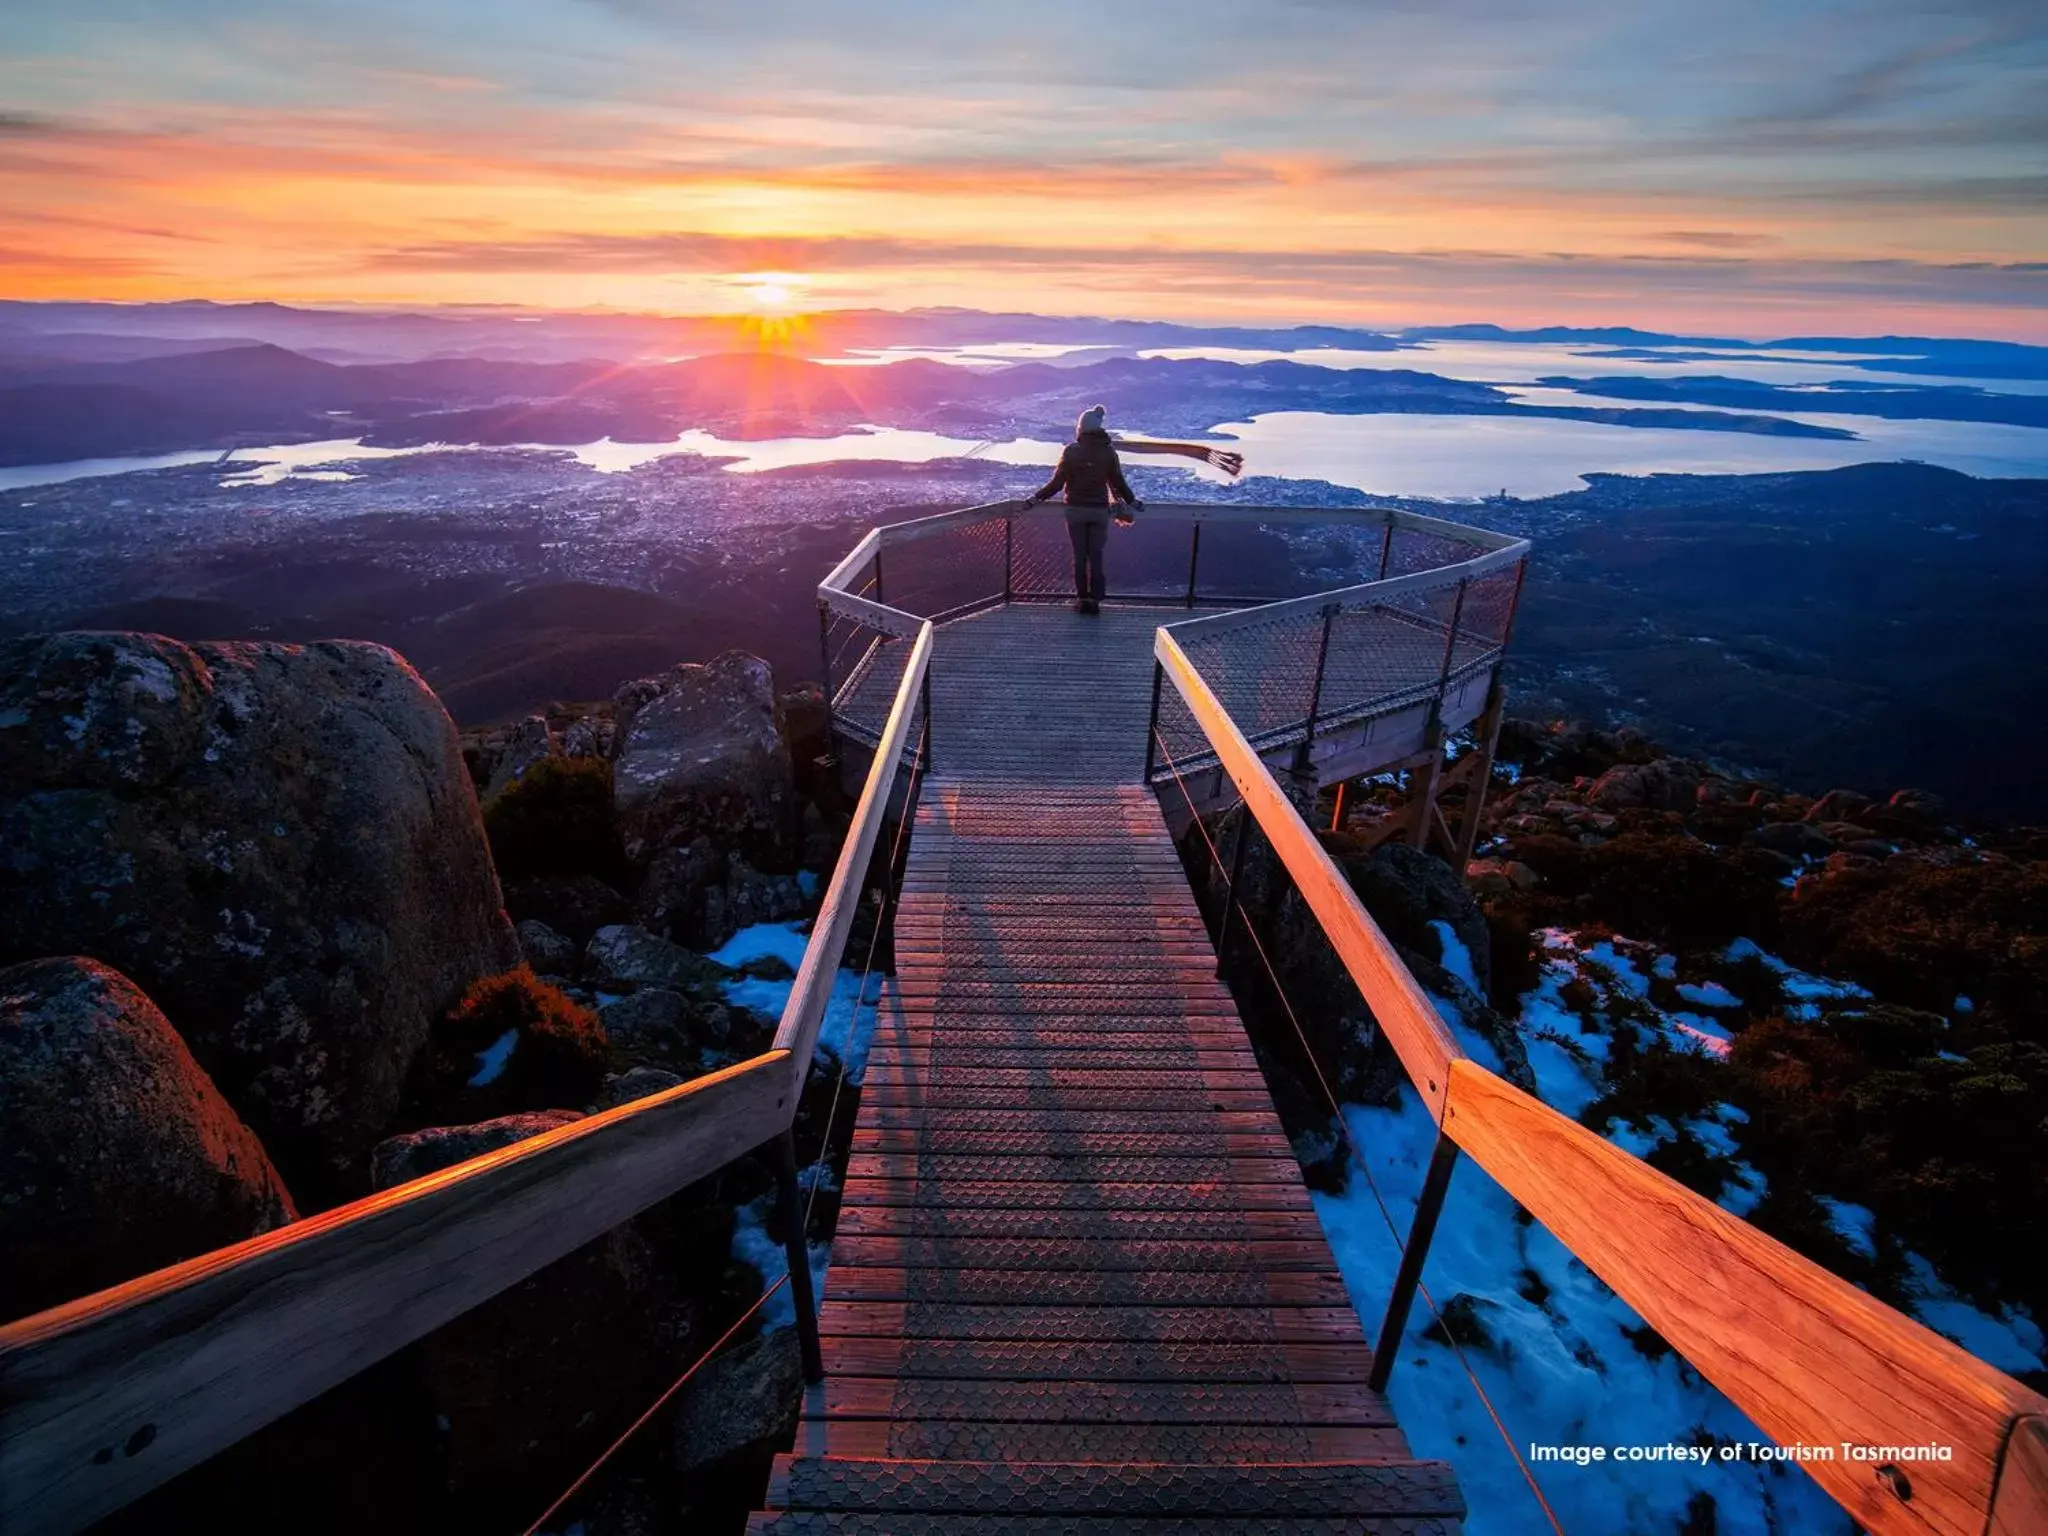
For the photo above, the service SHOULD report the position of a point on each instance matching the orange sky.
(1297, 161)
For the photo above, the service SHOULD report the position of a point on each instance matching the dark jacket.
(1088, 471)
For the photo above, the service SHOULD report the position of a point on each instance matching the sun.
(770, 309)
(769, 293)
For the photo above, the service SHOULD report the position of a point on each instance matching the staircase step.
(1096, 1359)
(1377, 1487)
(1114, 1444)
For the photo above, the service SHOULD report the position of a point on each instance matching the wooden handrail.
(106, 1397)
(1810, 1358)
(812, 990)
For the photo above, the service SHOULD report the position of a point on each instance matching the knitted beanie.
(1091, 420)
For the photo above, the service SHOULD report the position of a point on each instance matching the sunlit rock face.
(700, 751)
(279, 843)
(117, 1153)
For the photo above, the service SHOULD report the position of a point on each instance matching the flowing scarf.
(1232, 464)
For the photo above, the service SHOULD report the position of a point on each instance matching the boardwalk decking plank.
(1116, 1444)
(1089, 1255)
(1298, 1325)
(1155, 1288)
(1098, 1359)
(1043, 1195)
(1080, 1401)
(1112, 1226)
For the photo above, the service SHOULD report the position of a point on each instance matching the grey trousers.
(1089, 535)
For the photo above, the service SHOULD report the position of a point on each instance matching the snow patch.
(2009, 1340)
(751, 1241)
(490, 1061)
(1856, 1225)
(1709, 995)
(1806, 991)
(1561, 1365)
(1457, 958)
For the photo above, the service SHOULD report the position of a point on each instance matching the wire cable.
(1344, 1128)
(917, 770)
(655, 1407)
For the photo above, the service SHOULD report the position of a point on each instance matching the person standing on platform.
(1091, 475)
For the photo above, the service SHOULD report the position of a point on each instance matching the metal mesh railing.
(1167, 559)
(1416, 605)
(947, 573)
(1287, 672)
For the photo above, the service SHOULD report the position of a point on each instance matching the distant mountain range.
(52, 411)
(81, 332)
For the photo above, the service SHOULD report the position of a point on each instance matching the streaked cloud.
(1845, 162)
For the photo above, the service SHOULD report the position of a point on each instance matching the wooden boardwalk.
(1077, 1283)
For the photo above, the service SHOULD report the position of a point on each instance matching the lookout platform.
(1077, 1282)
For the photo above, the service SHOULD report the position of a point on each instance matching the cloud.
(1135, 266)
(1714, 239)
(22, 125)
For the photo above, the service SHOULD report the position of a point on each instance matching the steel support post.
(798, 1253)
(924, 693)
(1152, 725)
(1413, 1256)
(1304, 761)
(1230, 902)
(825, 648)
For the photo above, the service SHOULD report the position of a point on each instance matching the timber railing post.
(1482, 772)
(1194, 559)
(797, 1249)
(1009, 552)
(1387, 547)
(1414, 1254)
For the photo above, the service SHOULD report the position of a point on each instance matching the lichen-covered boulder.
(742, 1400)
(1407, 891)
(279, 843)
(1669, 784)
(419, 1153)
(699, 751)
(548, 952)
(622, 958)
(701, 897)
(632, 1086)
(117, 1153)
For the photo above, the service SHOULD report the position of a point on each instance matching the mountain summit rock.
(278, 843)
